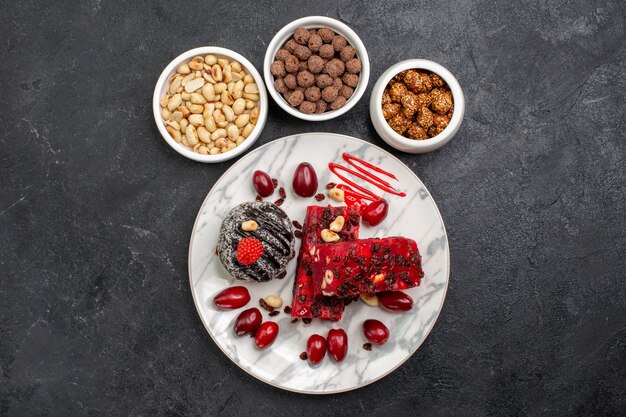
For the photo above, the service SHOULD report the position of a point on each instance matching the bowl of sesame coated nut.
(417, 106)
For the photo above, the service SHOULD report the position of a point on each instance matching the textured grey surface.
(96, 316)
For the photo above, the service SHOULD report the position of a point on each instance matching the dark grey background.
(96, 316)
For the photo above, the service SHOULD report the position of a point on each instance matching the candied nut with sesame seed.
(399, 123)
(417, 81)
(436, 80)
(441, 100)
(396, 92)
(435, 130)
(390, 110)
(409, 103)
(423, 99)
(440, 120)
(301, 36)
(416, 131)
(424, 117)
(386, 98)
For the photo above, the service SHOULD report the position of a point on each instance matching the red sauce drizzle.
(366, 176)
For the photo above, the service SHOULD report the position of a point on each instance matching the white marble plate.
(415, 216)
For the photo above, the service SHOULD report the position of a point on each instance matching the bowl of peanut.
(417, 106)
(210, 104)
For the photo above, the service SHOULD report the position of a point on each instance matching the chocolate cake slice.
(256, 241)
(349, 268)
(318, 218)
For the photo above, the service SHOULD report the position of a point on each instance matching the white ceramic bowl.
(400, 142)
(163, 84)
(314, 22)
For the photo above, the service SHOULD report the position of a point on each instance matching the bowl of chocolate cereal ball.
(316, 68)
(417, 106)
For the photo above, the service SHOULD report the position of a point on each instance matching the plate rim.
(336, 391)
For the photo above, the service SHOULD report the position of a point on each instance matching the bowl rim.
(457, 96)
(310, 22)
(163, 79)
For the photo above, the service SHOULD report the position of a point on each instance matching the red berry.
(305, 180)
(375, 331)
(248, 321)
(232, 298)
(375, 212)
(249, 250)
(395, 300)
(337, 341)
(262, 183)
(315, 349)
(266, 334)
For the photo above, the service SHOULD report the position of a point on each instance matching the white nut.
(337, 224)
(378, 278)
(174, 101)
(191, 135)
(249, 226)
(329, 236)
(251, 88)
(370, 300)
(273, 301)
(194, 84)
(183, 69)
(208, 92)
(196, 120)
(336, 194)
(328, 276)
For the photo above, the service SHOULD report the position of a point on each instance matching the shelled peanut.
(211, 105)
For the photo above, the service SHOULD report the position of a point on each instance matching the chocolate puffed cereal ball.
(353, 66)
(315, 42)
(323, 80)
(337, 83)
(320, 106)
(305, 79)
(292, 65)
(290, 46)
(327, 51)
(339, 42)
(351, 80)
(346, 91)
(329, 94)
(313, 93)
(347, 53)
(307, 107)
(278, 69)
(326, 34)
(279, 85)
(335, 68)
(304, 66)
(301, 35)
(302, 52)
(290, 81)
(338, 103)
(315, 64)
(296, 97)
(416, 131)
(282, 54)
